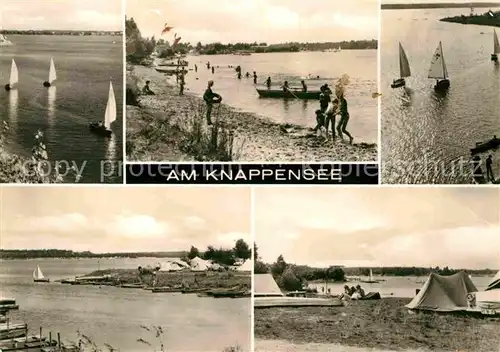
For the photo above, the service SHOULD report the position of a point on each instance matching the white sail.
(404, 65)
(438, 68)
(14, 74)
(496, 44)
(371, 275)
(52, 71)
(37, 273)
(110, 115)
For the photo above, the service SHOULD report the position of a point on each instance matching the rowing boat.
(485, 146)
(292, 94)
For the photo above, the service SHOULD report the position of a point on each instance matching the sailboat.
(38, 275)
(496, 47)
(14, 77)
(52, 74)
(404, 69)
(104, 129)
(371, 280)
(3, 39)
(438, 69)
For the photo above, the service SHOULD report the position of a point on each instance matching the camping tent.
(495, 283)
(246, 266)
(170, 266)
(265, 286)
(444, 293)
(198, 264)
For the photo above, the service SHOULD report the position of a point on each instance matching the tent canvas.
(170, 266)
(444, 293)
(198, 264)
(246, 266)
(265, 286)
(495, 283)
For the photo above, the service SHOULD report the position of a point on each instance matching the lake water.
(392, 286)
(84, 65)
(425, 134)
(360, 65)
(114, 315)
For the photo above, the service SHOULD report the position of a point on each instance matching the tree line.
(223, 256)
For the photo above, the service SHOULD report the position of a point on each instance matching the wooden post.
(40, 333)
(50, 338)
(59, 341)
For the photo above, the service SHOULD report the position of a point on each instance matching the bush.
(289, 281)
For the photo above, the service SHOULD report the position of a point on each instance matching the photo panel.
(251, 81)
(351, 269)
(440, 82)
(141, 269)
(61, 102)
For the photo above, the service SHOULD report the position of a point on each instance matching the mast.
(442, 59)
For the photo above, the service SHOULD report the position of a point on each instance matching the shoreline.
(383, 324)
(477, 20)
(256, 138)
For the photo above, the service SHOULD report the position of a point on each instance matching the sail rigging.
(404, 65)
(14, 74)
(438, 68)
(37, 273)
(110, 115)
(52, 71)
(496, 44)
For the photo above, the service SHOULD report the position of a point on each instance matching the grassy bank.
(480, 20)
(170, 127)
(383, 324)
(205, 280)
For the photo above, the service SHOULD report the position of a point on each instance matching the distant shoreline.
(67, 254)
(438, 6)
(60, 32)
(478, 20)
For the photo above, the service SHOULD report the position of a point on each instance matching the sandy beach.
(156, 131)
(382, 325)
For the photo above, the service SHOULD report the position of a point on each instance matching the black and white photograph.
(440, 85)
(376, 269)
(125, 269)
(61, 96)
(252, 80)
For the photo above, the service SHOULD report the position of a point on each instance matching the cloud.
(229, 239)
(139, 226)
(44, 224)
(194, 222)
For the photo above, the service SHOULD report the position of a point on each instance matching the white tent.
(246, 266)
(170, 266)
(265, 285)
(495, 283)
(198, 264)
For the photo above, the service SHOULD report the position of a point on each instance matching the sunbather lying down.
(352, 293)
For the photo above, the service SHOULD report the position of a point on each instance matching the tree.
(335, 274)
(255, 252)
(260, 268)
(193, 252)
(289, 281)
(279, 266)
(198, 47)
(242, 250)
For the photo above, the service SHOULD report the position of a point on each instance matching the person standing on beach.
(213, 70)
(210, 98)
(489, 169)
(344, 118)
(181, 85)
(254, 77)
(195, 68)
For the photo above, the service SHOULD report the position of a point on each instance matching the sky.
(62, 14)
(454, 227)
(270, 21)
(111, 219)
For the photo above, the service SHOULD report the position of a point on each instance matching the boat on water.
(14, 77)
(170, 71)
(38, 275)
(12, 331)
(104, 129)
(52, 74)
(290, 94)
(438, 70)
(243, 53)
(404, 69)
(496, 47)
(4, 41)
(371, 280)
(482, 147)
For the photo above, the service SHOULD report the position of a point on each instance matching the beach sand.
(255, 138)
(383, 325)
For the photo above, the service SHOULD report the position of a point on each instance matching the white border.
(252, 298)
(379, 98)
(124, 90)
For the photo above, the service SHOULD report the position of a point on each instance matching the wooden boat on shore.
(12, 331)
(104, 129)
(231, 294)
(194, 290)
(170, 71)
(141, 286)
(266, 302)
(38, 275)
(165, 289)
(482, 147)
(291, 94)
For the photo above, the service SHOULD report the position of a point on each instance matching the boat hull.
(442, 85)
(485, 146)
(280, 94)
(170, 71)
(99, 130)
(41, 280)
(12, 331)
(397, 83)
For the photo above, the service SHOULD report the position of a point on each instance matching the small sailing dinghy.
(52, 74)
(496, 47)
(371, 280)
(38, 275)
(14, 77)
(104, 129)
(404, 69)
(438, 69)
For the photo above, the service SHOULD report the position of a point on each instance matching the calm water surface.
(360, 65)
(114, 315)
(84, 66)
(426, 135)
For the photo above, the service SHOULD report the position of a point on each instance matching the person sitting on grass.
(146, 90)
(346, 295)
(210, 98)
